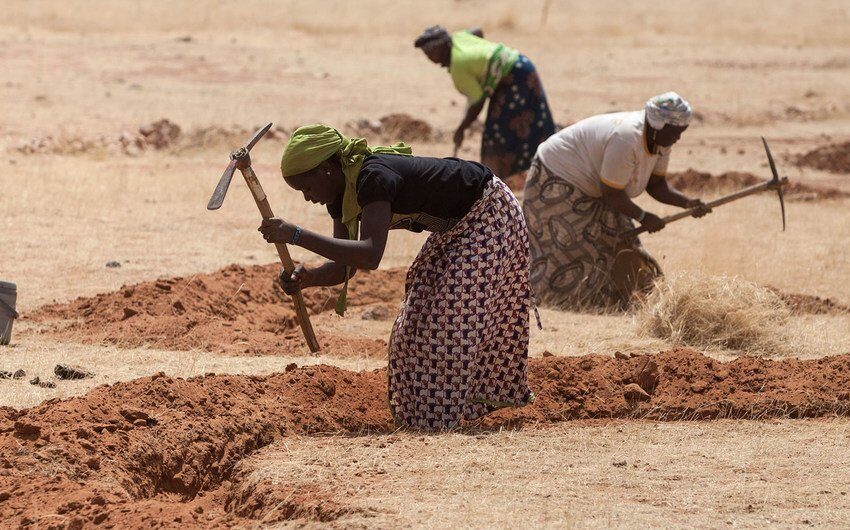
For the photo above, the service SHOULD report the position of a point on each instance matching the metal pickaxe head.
(776, 182)
(239, 158)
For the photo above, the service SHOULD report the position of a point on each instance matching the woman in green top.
(518, 118)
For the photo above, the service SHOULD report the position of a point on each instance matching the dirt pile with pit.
(167, 449)
(239, 310)
(398, 127)
(123, 453)
(706, 184)
(834, 158)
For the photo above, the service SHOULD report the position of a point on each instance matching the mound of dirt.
(706, 184)
(164, 449)
(159, 135)
(807, 304)
(398, 127)
(237, 310)
(225, 137)
(834, 158)
(167, 449)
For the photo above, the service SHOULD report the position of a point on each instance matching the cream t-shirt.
(608, 148)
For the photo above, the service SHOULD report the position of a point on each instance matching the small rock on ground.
(69, 371)
(43, 384)
(633, 392)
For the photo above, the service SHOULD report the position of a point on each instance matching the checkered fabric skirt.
(459, 347)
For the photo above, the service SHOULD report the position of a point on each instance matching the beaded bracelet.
(297, 235)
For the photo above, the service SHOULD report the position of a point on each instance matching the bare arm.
(660, 190)
(618, 201)
(325, 275)
(471, 115)
(365, 253)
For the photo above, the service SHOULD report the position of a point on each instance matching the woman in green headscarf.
(459, 346)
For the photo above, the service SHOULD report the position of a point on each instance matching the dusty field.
(280, 437)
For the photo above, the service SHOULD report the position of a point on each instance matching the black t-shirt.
(424, 193)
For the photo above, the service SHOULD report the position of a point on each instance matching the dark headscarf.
(431, 37)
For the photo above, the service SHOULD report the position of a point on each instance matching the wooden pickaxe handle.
(282, 251)
(756, 188)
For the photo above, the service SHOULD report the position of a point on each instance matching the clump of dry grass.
(708, 312)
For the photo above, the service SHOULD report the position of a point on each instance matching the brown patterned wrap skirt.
(574, 239)
(459, 347)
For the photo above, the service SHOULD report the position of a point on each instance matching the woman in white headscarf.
(578, 200)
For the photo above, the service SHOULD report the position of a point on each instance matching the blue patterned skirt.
(518, 118)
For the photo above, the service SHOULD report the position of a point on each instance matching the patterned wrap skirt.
(459, 347)
(574, 239)
(518, 118)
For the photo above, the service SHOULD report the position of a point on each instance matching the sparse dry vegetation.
(71, 200)
(707, 312)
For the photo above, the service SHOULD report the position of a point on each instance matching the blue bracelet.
(297, 235)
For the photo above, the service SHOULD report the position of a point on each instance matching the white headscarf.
(668, 108)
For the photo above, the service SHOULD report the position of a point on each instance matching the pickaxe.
(776, 183)
(240, 159)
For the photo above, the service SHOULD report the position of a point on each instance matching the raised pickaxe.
(776, 183)
(240, 159)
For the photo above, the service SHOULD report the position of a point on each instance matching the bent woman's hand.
(652, 222)
(276, 230)
(702, 207)
(292, 283)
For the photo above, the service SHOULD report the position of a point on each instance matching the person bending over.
(578, 201)
(518, 117)
(459, 345)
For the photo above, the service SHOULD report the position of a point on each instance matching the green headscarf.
(311, 145)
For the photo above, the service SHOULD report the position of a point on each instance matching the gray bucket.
(8, 295)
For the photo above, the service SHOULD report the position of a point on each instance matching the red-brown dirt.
(807, 304)
(159, 135)
(165, 450)
(243, 311)
(834, 158)
(398, 127)
(237, 310)
(706, 184)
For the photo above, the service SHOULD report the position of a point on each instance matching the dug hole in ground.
(204, 407)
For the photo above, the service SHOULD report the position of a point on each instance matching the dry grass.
(82, 72)
(705, 312)
(620, 474)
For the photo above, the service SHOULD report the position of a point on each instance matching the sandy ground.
(779, 69)
(738, 474)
